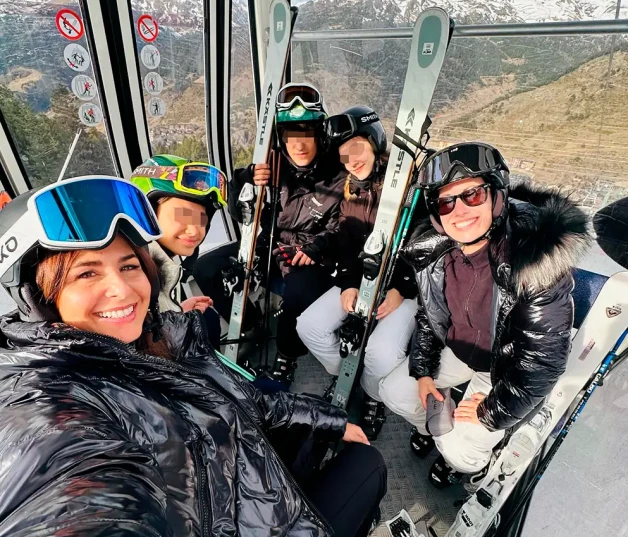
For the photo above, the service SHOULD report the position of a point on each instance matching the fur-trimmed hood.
(544, 236)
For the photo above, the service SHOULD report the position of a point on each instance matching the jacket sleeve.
(348, 249)
(541, 340)
(241, 176)
(75, 479)
(426, 348)
(301, 416)
(403, 279)
(321, 246)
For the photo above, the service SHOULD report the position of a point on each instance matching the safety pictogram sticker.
(148, 28)
(90, 114)
(150, 57)
(69, 24)
(153, 83)
(76, 57)
(84, 87)
(156, 107)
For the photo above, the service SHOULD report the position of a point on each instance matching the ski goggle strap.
(462, 160)
(344, 126)
(308, 96)
(80, 213)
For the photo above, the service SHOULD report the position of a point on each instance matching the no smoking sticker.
(84, 87)
(90, 114)
(150, 57)
(147, 28)
(69, 24)
(76, 57)
(153, 83)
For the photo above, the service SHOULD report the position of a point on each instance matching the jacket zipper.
(466, 302)
(153, 359)
(205, 504)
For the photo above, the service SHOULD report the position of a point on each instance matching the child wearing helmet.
(120, 420)
(184, 197)
(493, 265)
(309, 198)
(360, 139)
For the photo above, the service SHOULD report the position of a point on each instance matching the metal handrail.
(597, 27)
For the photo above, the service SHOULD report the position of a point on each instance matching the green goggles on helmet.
(299, 103)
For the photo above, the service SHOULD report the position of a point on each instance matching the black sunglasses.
(472, 197)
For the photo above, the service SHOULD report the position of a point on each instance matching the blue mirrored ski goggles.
(86, 211)
(81, 213)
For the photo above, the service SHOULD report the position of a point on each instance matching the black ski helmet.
(358, 120)
(462, 161)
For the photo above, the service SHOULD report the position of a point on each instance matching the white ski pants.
(468, 447)
(386, 349)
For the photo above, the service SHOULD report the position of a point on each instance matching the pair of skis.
(430, 40)
(605, 327)
(244, 277)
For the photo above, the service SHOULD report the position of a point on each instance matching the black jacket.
(532, 311)
(358, 211)
(97, 439)
(309, 208)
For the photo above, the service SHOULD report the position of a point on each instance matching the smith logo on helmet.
(10, 245)
(265, 119)
(369, 118)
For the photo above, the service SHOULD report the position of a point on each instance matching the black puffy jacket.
(532, 311)
(98, 440)
(309, 207)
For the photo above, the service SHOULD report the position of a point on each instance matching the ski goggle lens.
(340, 127)
(466, 160)
(205, 179)
(307, 95)
(472, 197)
(84, 211)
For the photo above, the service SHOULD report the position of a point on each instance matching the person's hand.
(200, 303)
(467, 410)
(392, 301)
(427, 386)
(348, 298)
(353, 433)
(261, 174)
(301, 259)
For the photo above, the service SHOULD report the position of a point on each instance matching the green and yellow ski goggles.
(193, 178)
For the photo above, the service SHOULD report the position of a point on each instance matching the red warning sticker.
(148, 28)
(69, 25)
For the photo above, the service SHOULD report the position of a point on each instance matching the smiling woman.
(101, 291)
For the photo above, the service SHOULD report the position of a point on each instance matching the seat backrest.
(587, 287)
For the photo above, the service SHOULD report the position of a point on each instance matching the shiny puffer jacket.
(99, 440)
(532, 311)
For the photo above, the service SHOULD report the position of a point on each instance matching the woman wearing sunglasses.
(493, 268)
(184, 195)
(359, 137)
(118, 420)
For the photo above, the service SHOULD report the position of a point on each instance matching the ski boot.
(328, 394)
(421, 444)
(373, 417)
(442, 475)
(283, 370)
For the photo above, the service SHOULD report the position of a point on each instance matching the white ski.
(603, 326)
(430, 40)
(253, 198)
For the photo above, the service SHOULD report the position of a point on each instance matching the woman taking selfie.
(118, 420)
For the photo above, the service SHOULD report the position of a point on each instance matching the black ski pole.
(275, 160)
(596, 381)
